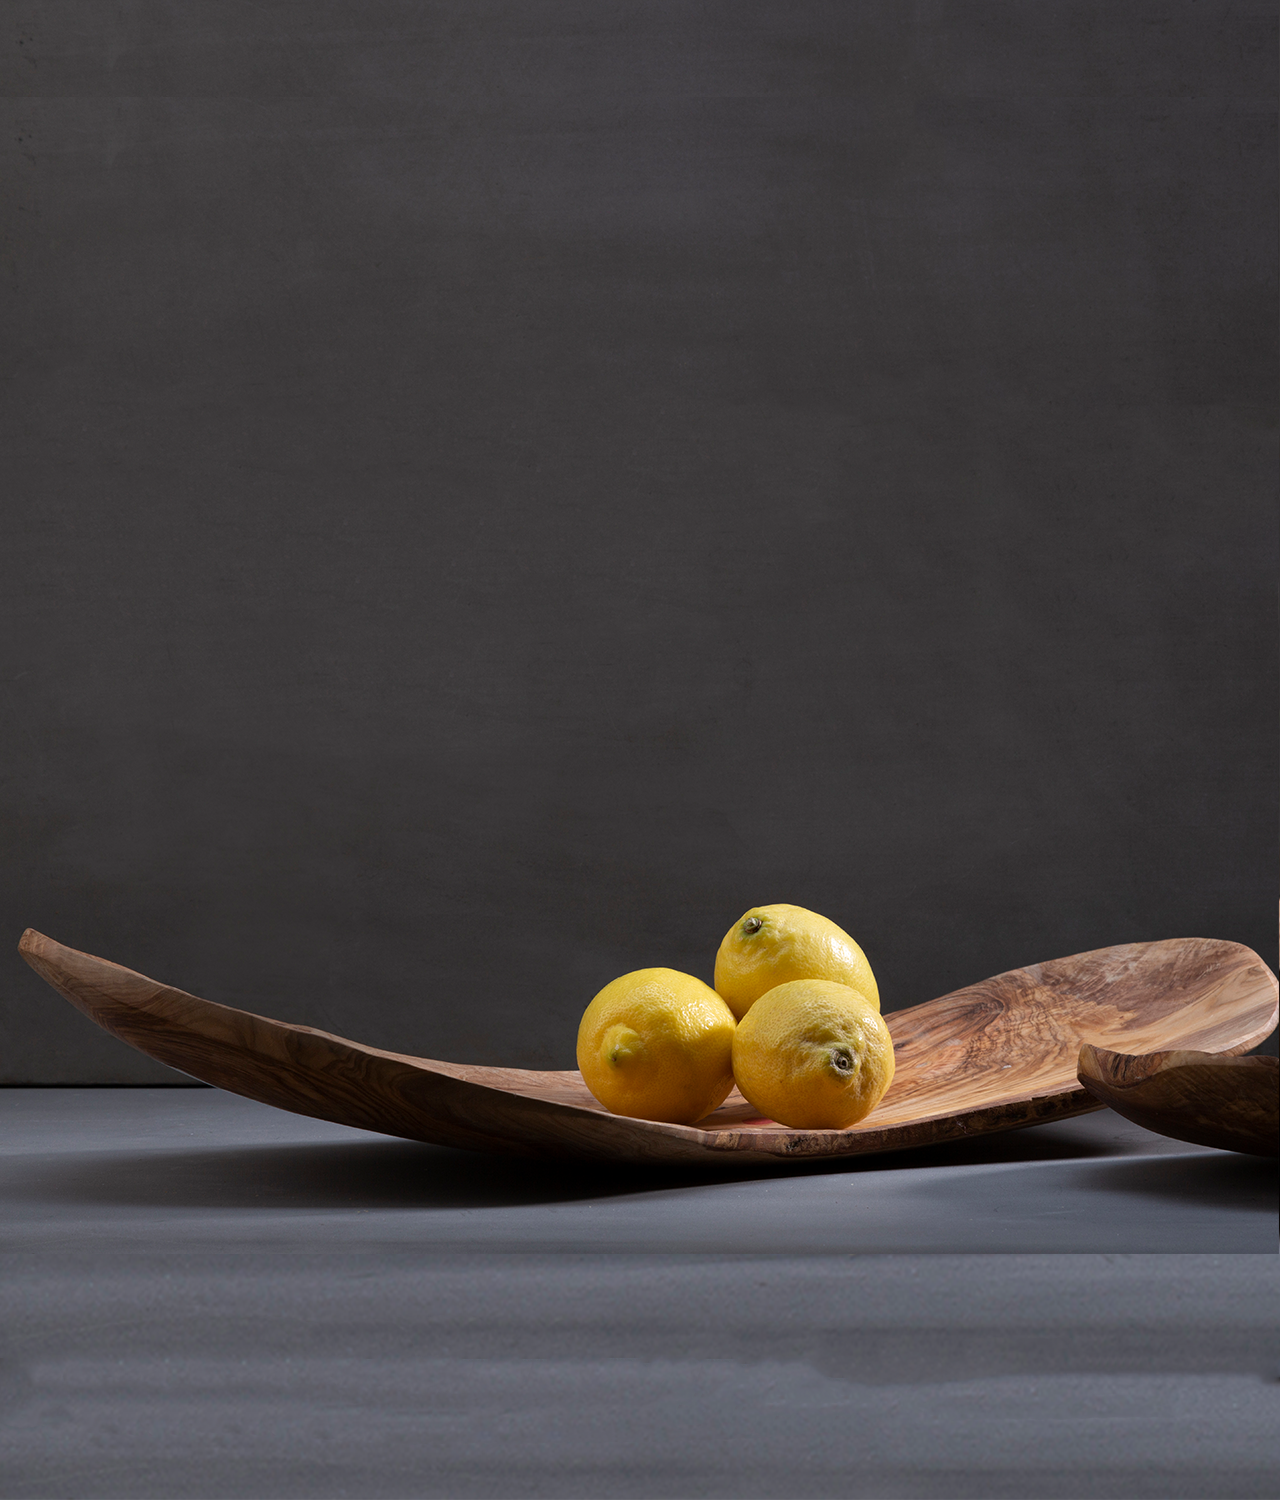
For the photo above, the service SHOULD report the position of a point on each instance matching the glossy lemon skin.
(658, 1045)
(772, 945)
(813, 1055)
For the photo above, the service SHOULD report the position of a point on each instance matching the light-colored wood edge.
(1127, 1069)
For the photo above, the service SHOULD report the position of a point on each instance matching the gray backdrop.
(494, 490)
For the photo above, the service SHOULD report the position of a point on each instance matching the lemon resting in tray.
(794, 1020)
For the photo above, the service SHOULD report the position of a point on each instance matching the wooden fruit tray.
(994, 1056)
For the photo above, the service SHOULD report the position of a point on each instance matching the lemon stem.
(621, 1044)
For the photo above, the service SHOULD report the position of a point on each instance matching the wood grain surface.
(993, 1056)
(1212, 1099)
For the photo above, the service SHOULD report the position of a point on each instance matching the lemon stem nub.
(752, 924)
(621, 1044)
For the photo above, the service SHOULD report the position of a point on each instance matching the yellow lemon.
(772, 945)
(657, 1044)
(813, 1054)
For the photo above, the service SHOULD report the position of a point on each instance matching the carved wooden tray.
(995, 1056)
(1209, 1098)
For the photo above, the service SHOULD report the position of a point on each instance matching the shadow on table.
(378, 1173)
(1216, 1179)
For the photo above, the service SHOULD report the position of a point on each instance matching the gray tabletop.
(202, 1296)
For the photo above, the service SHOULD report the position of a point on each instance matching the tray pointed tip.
(31, 941)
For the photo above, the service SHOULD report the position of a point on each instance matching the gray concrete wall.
(493, 491)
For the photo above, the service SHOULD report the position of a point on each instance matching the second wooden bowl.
(1210, 1099)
